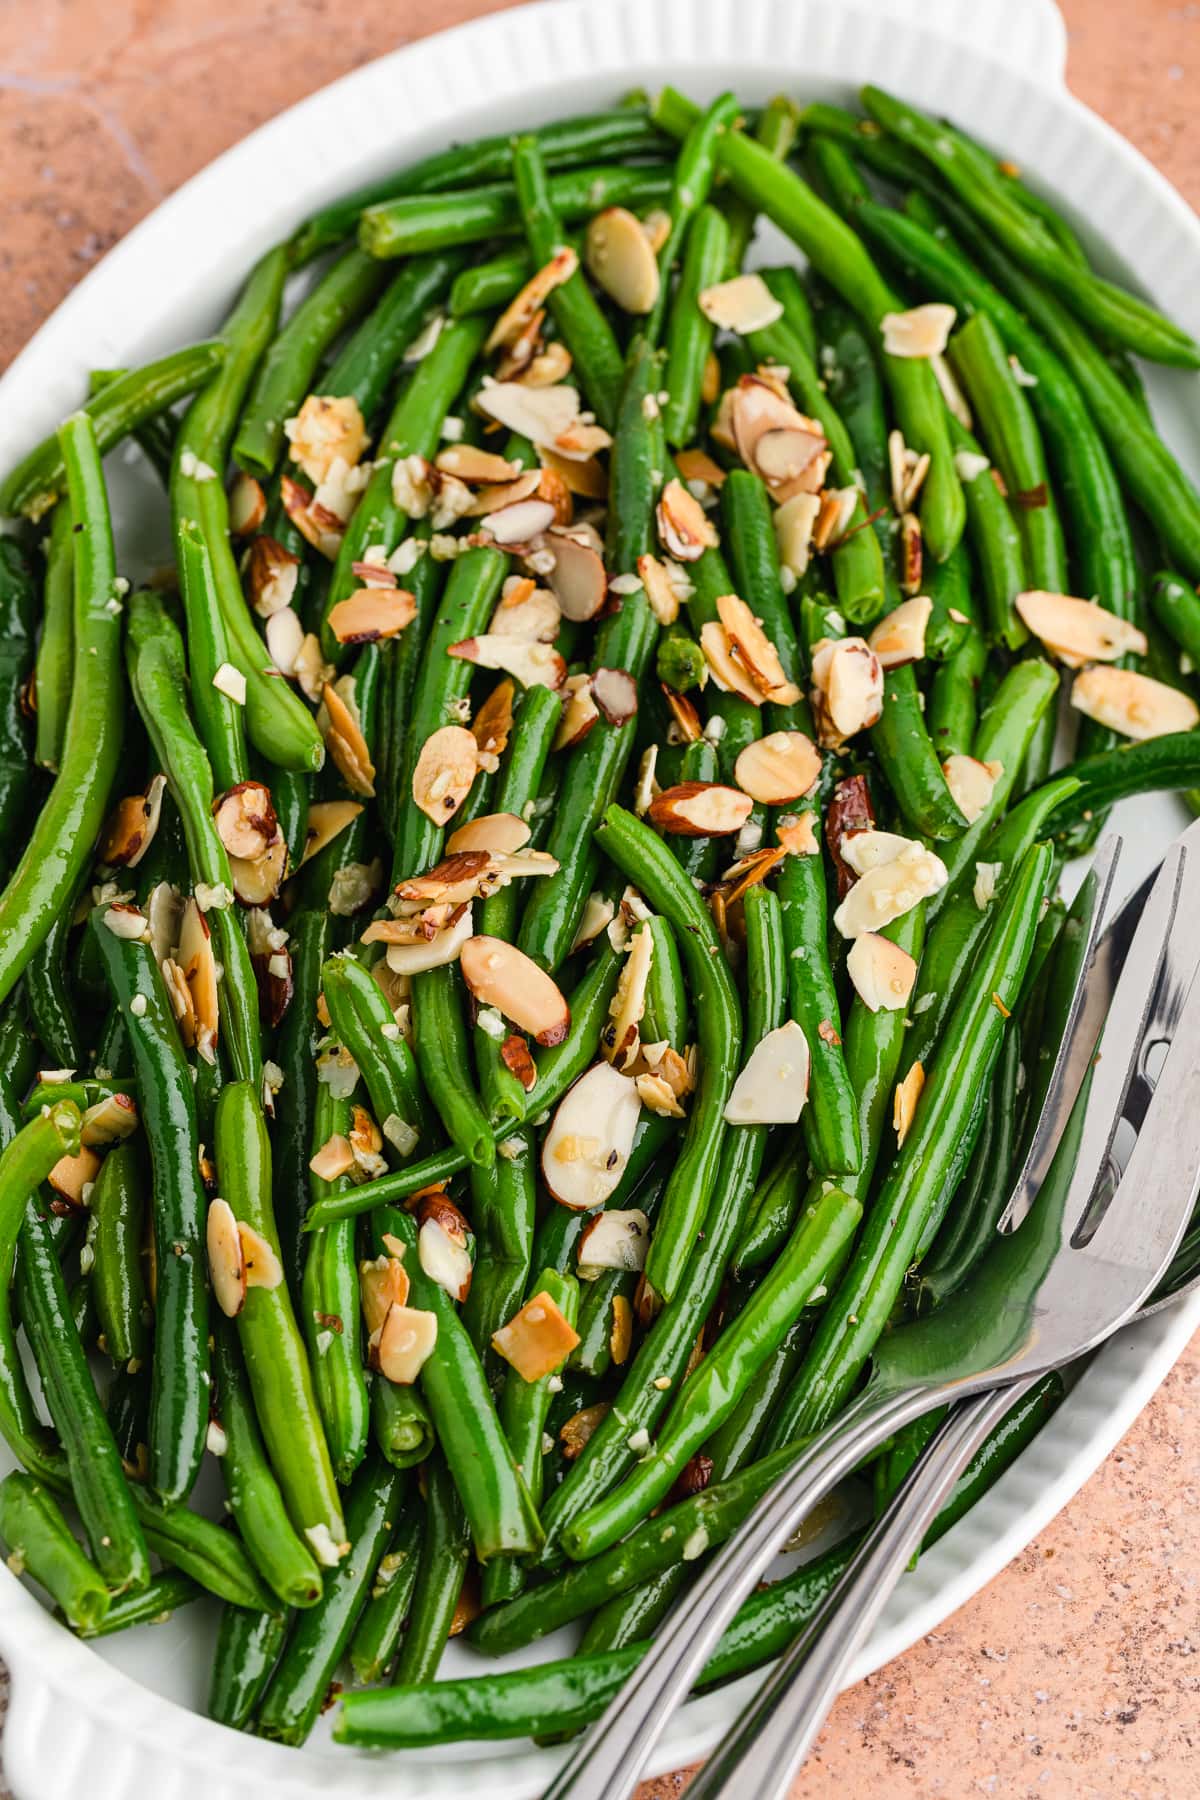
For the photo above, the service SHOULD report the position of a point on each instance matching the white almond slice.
(597, 913)
(773, 1084)
(1132, 704)
(921, 332)
(259, 1258)
(445, 947)
(443, 1249)
(684, 528)
(344, 738)
(1079, 631)
(847, 689)
(904, 1101)
(542, 415)
(864, 850)
(527, 661)
(587, 1145)
(503, 832)
(726, 671)
(646, 786)
(621, 260)
(382, 1283)
(500, 975)
(794, 522)
(533, 296)
(285, 640)
(755, 651)
(971, 783)
(784, 456)
(620, 1039)
(660, 589)
(226, 1262)
(326, 818)
(578, 578)
(890, 890)
(743, 304)
(109, 1121)
(245, 819)
(616, 1239)
(700, 809)
(537, 1340)
(900, 637)
(615, 693)
(445, 771)
(526, 611)
(310, 668)
(779, 767)
(164, 913)
(406, 1342)
(520, 523)
(883, 974)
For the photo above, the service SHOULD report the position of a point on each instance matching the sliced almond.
(444, 1245)
(743, 304)
(835, 510)
(620, 1039)
(382, 1283)
(285, 640)
(326, 427)
(109, 1121)
(514, 1054)
(755, 651)
(614, 1239)
(621, 260)
(406, 1342)
(660, 589)
(503, 832)
(921, 331)
(226, 1260)
(748, 871)
(318, 525)
(899, 638)
(615, 693)
(794, 523)
(444, 947)
(847, 689)
(530, 663)
(125, 921)
(476, 466)
(247, 504)
(532, 614)
(1132, 704)
(685, 725)
(245, 819)
(868, 849)
(890, 890)
(326, 818)
(256, 880)
(658, 1096)
(460, 876)
(445, 771)
(580, 1426)
(199, 966)
(798, 836)
(971, 782)
(597, 913)
(912, 554)
(657, 227)
(904, 1101)
(72, 1174)
(578, 579)
(779, 767)
(798, 457)
(700, 809)
(587, 1145)
(580, 713)
(883, 974)
(500, 975)
(587, 479)
(684, 529)
(334, 1159)
(344, 739)
(492, 724)
(537, 1340)
(310, 668)
(533, 295)
(371, 613)
(259, 1259)
(543, 415)
(1079, 631)
(130, 827)
(773, 1084)
(164, 910)
(725, 668)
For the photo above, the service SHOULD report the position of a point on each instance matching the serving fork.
(1084, 1258)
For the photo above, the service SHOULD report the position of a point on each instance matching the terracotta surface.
(1073, 1674)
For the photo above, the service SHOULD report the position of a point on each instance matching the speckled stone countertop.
(1076, 1673)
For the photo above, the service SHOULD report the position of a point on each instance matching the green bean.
(849, 366)
(329, 1311)
(995, 540)
(830, 1119)
(535, 726)
(415, 222)
(404, 656)
(443, 1057)
(247, 1649)
(445, 1553)
(901, 741)
(117, 1213)
(365, 365)
(1176, 606)
(377, 1634)
(400, 1424)
(20, 686)
(296, 1053)
(690, 185)
(952, 709)
(754, 556)
(296, 1690)
(39, 1542)
(55, 651)
(504, 1202)
(776, 130)
(431, 1171)
(689, 337)
(218, 716)
(489, 286)
(363, 1021)
(1156, 765)
(49, 999)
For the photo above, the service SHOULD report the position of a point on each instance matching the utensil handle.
(769, 1742)
(610, 1757)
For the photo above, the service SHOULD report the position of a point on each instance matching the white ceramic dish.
(117, 1721)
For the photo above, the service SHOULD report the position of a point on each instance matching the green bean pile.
(537, 941)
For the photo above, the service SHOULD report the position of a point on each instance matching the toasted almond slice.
(371, 613)
(685, 720)
(755, 651)
(406, 1342)
(782, 457)
(285, 641)
(520, 353)
(333, 1159)
(971, 782)
(475, 466)
(779, 767)
(743, 304)
(684, 529)
(890, 890)
(180, 997)
(520, 522)
(109, 1121)
(226, 1260)
(445, 770)
(773, 1084)
(847, 689)
(1135, 705)
(912, 554)
(325, 819)
(326, 428)
(582, 440)
(130, 827)
(382, 1283)
(883, 974)
(698, 465)
(580, 713)
(656, 1093)
(578, 579)
(523, 486)
(657, 227)
(798, 837)
(587, 479)
(245, 819)
(500, 975)
(316, 524)
(520, 310)
(259, 1258)
(615, 693)
(700, 809)
(597, 913)
(904, 1101)
(444, 947)
(502, 831)
(199, 966)
(444, 1245)
(493, 722)
(620, 258)
(1079, 631)
(620, 1039)
(661, 591)
(835, 510)
(899, 638)
(247, 504)
(72, 1174)
(530, 663)
(537, 1340)
(540, 414)
(310, 668)
(613, 1239)
(514, 1054)
(794, 522)
(579, 1427)
(256, 880)
(862, 850)
(531, 612)
(920, 332)
(748, 871)
(343, 736)
(587, 1145)
(727, 672)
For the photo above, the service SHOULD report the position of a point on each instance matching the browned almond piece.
(900, 637)
(578, 579)
(587, 1144)
(537, 1340)
(432, 953)
(326, 428)
(444, 1244)
(797, 836)
(710, 383)
(529, 662)
(470, 463)
(1079, 631)
(779, 767)
(883, 974)
(247, 505)
(904, 1101)
(444, 773)
(72, 1174)
(835, 510)
(500, 975)
(406, 1342)
(523, 486)
(971, 782)
(503, 832)
(621, 259)
(912, 554)
(514, 1054)
(748, 871)
(656, 1093)
(700, 809)
(743, 304)
(684, 717)
(921, 331)
(849, 811)
(726, 670)
(1135, 705)
(245, 819)
(374, 574)
(273, 974)
(684, 529)
(494, 720)
(587, 479)
(520, 353)
(257, 880)
(130, 827)
(226, 1262)
(555, 490)
(382, 1284)
(783, 456)
(579, 1428)
(755, 651)
(325, 819)
(455, 879)
(371, 613)
(334, 1158)
(315, 523)
(847, 689)
(620, 1038)
(698, 465)
(199, 966)
(109, 1121)
(259, 1259)
(271, 576)
(661, 591)
(543, 415)
(615, 693)
(620, 1334)
(345, 742)
(580, 713)
(529, 612)
(520, 523)
(760, 404)
(521, 309)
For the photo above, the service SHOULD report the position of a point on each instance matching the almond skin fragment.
(514, 1054)
(1135, 705)
(621, 260)
(537, 1340)
(883, 974)
(371, 613)
(579, 1427)
(849, 812)
(773, 1084)
(684, 529)
(500, 975)
(900, 637)
(779, 767)
(700, 809)
(587, 1145)
(445, 770)
(1078, 631)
